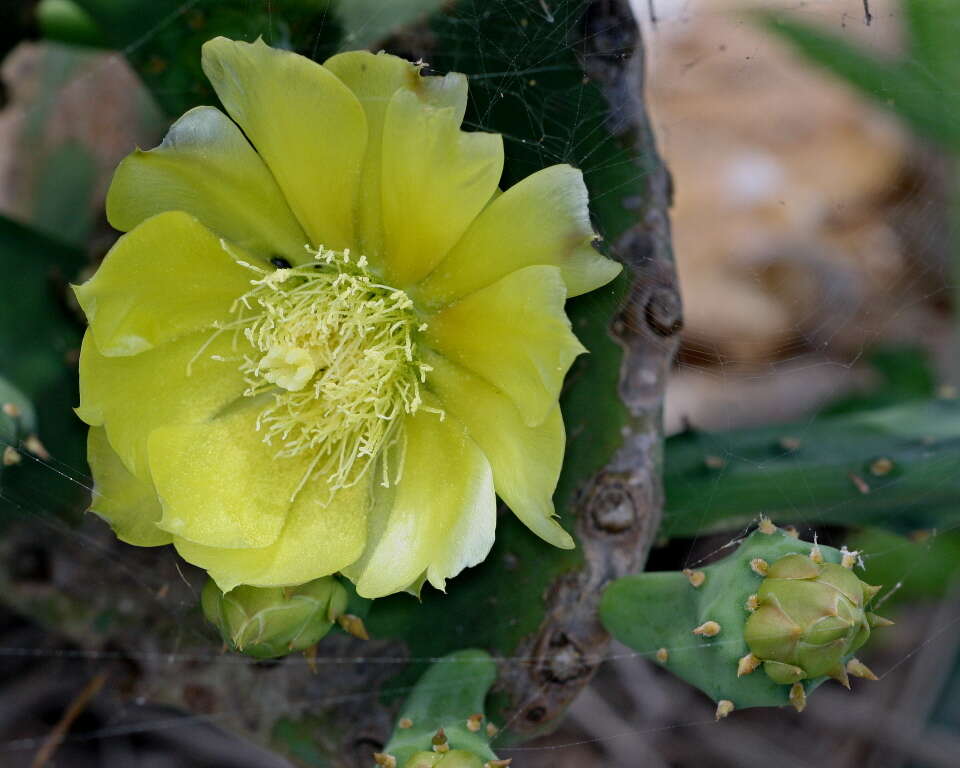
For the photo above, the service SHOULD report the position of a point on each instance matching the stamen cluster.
(337, 355)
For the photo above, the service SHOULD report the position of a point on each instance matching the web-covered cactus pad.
(795, 608)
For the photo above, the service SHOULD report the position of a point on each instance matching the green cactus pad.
(269, 622)
(656, 614)
(445, 709)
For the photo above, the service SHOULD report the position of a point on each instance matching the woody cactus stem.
(795, 609)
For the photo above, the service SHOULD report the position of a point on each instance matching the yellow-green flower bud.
(810, 616)
(455, 758)
(270, 622)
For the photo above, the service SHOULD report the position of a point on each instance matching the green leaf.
(526, 83)
(905, 374)
(911, 87)
(933, 32)
(366, 22)
(450, 691)
(897, 467)
(39, 340)
(924, 568)
(162, 38)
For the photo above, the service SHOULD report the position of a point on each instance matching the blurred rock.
(57, 152)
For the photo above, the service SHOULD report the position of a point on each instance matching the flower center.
(335, 353)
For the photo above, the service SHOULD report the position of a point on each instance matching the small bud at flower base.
(696, 578)
(663, 655)
(439, 741)
(405, 722)
(11, 410)
(492, 730)
(10, 456)
(798, 697)
(707, 629)
(271, 621)
(724, 708)
(858, 669)
(747, 664)
(792, 531)
(759, 566)
(384, 760)
(766, 526)
(498, 763)
(753, 602)
(474, 722)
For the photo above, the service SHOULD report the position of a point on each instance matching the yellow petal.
(306, 125)
(374, 78)
(436, 179)
(175, 383)
(515, 335)
(525, 460)
(438, 520)
(128, 504)
(207, 168)
(168, 277)
(219, 483)
(543, 219)
(318, 539)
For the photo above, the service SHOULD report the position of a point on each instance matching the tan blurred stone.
(781, 175)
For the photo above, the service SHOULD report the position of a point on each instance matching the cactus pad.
(795, 609)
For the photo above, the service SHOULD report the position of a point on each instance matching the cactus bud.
(810, 618)
(793, 608)
(455, 758)
(270, 622)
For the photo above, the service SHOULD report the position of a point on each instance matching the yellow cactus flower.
(328, 339)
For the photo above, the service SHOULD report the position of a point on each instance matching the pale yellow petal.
(176, 383)
(168, 277)
(219, 484)
(436, 179)
(515, 335)
(318, 538)
(306, 125)
(543, 219)
(526, 461)
(207, 168)
(128, 504)
(374, 78)
(438, 520)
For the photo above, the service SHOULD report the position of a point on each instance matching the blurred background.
(816, 222)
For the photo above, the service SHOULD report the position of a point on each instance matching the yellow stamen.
(336, 351)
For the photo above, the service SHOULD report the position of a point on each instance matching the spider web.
(784, 301)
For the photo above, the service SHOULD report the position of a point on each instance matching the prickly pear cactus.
(442, 724)
(794, 609)
(267, 623)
